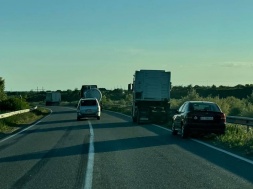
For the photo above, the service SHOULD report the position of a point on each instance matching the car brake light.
(223, 117)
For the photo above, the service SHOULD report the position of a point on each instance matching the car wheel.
(184, 132)
(174, 131)
(78, 118)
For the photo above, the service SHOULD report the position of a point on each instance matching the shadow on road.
(161, 137)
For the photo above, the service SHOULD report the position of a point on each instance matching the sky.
(63, 44)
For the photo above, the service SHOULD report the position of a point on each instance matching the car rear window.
(204, 107)
(88, 103)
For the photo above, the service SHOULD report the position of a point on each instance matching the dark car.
(199, 117)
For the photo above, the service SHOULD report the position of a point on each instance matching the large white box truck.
(53, 98)
(151, 95)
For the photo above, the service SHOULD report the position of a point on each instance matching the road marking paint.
(118, 113)
(224, 151)
(90, 163)
(7, 138)
(215, 148)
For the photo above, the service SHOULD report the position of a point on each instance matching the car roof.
(88, 99)
(195, 101)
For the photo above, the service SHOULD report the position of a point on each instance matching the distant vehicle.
(53, 98)
(88, 107)
(151, 95)
(85, 88)
(195, 117)
(91, 91)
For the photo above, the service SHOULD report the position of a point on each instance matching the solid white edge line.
(9, 137)
(224, 151)
(90, 163)
(215, 148)
(118, 113)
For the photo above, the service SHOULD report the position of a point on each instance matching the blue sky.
(62, 44)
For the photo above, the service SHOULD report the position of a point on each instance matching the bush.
(13, 104)
(10, 124)
(237, 137)
(250, 98)
(247, 110)
(231, 106)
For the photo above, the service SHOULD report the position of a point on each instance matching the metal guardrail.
(16, 112)
(240, 120)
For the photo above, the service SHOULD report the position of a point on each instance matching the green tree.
(192, 95)
(2, 87)
(13, 104)
(250, 98)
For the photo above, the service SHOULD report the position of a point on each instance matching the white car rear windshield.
(88, 103)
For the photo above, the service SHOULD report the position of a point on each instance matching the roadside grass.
(119, 108)
(13, 123)
(236, 138)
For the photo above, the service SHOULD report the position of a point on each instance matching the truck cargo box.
(53, 98)
(152, 85)
(151, 95)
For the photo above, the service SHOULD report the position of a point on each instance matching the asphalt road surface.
(60, 152)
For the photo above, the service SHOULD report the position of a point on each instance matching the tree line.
(238, 91)
(236, 100)
(10, 103)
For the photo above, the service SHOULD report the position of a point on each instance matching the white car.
(88, 107)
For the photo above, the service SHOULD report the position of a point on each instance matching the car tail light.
(223, 117)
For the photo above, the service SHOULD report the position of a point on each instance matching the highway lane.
(146, 156)
(54, 154)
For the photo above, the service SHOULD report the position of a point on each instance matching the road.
(60, 152)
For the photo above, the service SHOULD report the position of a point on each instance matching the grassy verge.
(119, 108)
(11, 124)
(237, 139)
